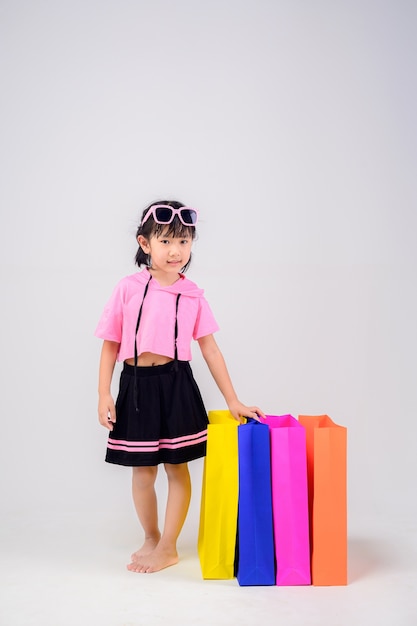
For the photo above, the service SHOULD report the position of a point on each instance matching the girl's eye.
(184, 241)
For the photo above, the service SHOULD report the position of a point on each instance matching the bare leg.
(179, 494)
(144, 499)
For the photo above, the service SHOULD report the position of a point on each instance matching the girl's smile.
(168, 255)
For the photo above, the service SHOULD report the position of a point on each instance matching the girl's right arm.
(106, 408)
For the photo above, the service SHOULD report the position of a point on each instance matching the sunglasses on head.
(164, 214)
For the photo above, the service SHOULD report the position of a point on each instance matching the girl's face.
(168, 254)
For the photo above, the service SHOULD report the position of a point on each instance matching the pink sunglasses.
(164, 214)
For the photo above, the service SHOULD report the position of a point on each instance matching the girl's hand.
(106, 411)
(239, 411)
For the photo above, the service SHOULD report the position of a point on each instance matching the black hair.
(152, 229)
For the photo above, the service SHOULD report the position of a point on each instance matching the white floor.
(69, 570)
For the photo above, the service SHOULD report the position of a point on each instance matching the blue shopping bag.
(255, 554)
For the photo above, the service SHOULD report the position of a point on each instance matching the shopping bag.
(289, 500)
(219, 498)
(326, 463)
(256, 559)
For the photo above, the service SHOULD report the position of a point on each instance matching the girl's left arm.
(217, 366)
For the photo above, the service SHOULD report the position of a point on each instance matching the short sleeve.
(205, 322)
(111, 321)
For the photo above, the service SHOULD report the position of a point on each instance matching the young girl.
(159, 416)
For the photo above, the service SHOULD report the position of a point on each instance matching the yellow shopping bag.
(219, 498)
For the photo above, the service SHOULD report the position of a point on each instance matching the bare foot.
(160, 558)
(149, 546)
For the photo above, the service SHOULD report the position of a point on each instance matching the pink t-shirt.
(157, 324)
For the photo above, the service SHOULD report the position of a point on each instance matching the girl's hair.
(152, 229)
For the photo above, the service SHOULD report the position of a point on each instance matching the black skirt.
(159, 419)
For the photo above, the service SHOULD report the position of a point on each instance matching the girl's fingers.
(108, 419)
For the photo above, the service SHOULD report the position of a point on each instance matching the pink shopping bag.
(289, 500)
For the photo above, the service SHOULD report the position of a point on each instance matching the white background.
(291, 126)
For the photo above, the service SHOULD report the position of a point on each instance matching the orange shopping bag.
(327, 495)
